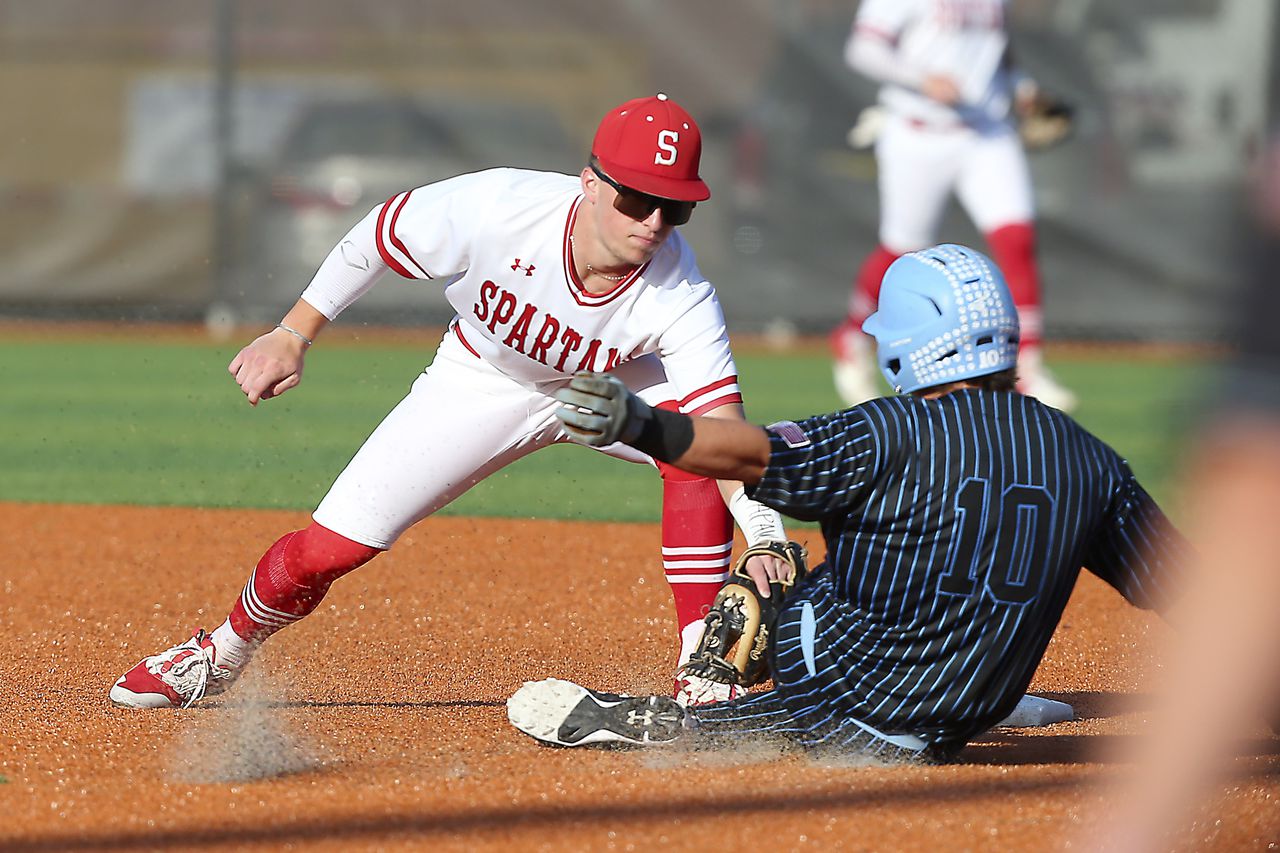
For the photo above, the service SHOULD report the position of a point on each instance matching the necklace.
(593, 271)
(606, 276)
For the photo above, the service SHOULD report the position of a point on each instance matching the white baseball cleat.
(694, 690)
(175, 678)
(566, 714)
(1038, 711)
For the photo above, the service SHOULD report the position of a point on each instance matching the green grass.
(109, 421)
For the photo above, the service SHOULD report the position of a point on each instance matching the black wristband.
(666, 435)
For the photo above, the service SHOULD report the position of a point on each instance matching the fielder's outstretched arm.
(272, 364)
(599, 410)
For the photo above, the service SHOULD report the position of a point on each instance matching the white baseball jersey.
(963, 39)
(498, 243)
(927, 150)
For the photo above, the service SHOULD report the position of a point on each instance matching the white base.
(1037, 711)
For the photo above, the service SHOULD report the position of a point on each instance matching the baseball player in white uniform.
(549, 274)
(948, 93)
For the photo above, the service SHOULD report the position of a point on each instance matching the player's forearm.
(349, 271)
(599, 410)
(727, 449)
(304, 319)
(733, 412)
(757, 522)
(714, 447)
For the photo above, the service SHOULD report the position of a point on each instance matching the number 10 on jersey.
(998, 558)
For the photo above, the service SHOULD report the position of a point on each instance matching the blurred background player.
(949, 90)
(549, 274)
(956, 517)
(1221, 676)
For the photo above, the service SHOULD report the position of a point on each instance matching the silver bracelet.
(296, 334)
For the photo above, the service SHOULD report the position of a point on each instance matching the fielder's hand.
(739, 627)
(599, 410)
(767, 570)
(269, 366)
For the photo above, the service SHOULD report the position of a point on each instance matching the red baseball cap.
(652, 145)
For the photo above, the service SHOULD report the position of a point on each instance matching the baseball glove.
(739, 626)
(1046, 123)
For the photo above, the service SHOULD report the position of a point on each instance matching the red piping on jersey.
(733, 397)
(382, 250)
(728, 380)
(579, 291)
(717, 403)
(395, 241)
(457, 330)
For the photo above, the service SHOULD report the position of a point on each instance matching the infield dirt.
(379, 722)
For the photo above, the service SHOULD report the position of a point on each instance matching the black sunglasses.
(639, 206)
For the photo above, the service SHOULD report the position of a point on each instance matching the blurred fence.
(173, 161)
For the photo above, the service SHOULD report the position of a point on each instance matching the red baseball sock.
(1013, 248)
(292, 578)
(697, 541)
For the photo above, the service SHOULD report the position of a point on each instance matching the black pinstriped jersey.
(955, 530)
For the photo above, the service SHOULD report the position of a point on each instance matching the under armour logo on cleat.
(528, 270)
(640, 718)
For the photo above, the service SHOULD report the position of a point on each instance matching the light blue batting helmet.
(945, 314)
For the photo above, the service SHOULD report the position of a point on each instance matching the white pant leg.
(461, 421)
(917, 170)
(994, 185)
